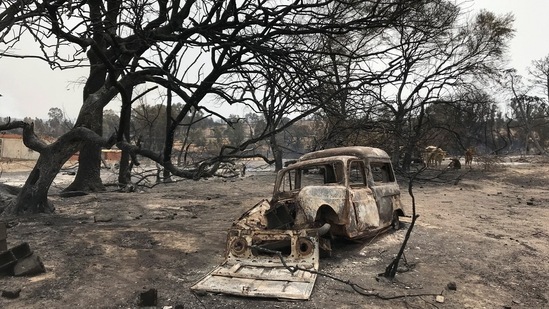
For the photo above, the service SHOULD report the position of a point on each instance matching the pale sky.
(29, 88)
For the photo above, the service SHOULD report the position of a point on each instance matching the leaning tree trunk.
(33, 197)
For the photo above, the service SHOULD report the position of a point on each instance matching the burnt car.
(354, 189)
(348, 192)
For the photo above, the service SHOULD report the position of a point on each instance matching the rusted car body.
(348, 192)
(354, 189)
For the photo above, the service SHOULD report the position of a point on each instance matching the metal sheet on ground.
(258, 262)
(273, 281)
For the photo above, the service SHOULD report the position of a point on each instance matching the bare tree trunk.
(124, 174)
(124, 171)
(88, 177)
(124, 167)
(185, 146)
(277, 153)
(168, 142)
(33, 197)
(396, 147)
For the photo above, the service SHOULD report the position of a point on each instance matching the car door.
(362, 199)
(385, 190)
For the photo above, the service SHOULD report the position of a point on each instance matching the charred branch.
(391, 269)
(30, 139)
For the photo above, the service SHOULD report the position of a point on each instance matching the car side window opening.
(356, 174)
(313, 175)
(382, 172)
(289, 181)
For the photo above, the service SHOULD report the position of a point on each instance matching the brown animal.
(469, 156)
(433, 156)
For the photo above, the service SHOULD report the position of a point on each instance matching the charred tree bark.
(33, 197)
(124, 168)
(277, 153)
(88, 177)
(170, 132)
(115, 49)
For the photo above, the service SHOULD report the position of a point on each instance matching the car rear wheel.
(395, 224)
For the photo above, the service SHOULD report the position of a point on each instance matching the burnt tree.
(197, 49)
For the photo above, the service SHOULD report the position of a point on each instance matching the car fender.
(311, 198)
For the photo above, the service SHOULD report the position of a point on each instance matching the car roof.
(356, 151)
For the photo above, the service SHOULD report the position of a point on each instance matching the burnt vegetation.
(398, 75)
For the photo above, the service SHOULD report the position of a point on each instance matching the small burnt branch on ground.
(391, 269)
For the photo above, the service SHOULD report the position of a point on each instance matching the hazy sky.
(29, 88)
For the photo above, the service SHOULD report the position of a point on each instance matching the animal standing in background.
(433, 156)
(469, 156)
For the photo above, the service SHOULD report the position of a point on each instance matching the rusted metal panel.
(367, 215)
(254, 218)
(270, 281)
(311, 198)
(249, 271)
(357, 151)
(388, 200)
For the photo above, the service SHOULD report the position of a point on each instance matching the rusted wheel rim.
(305, 246)
(239, 246)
